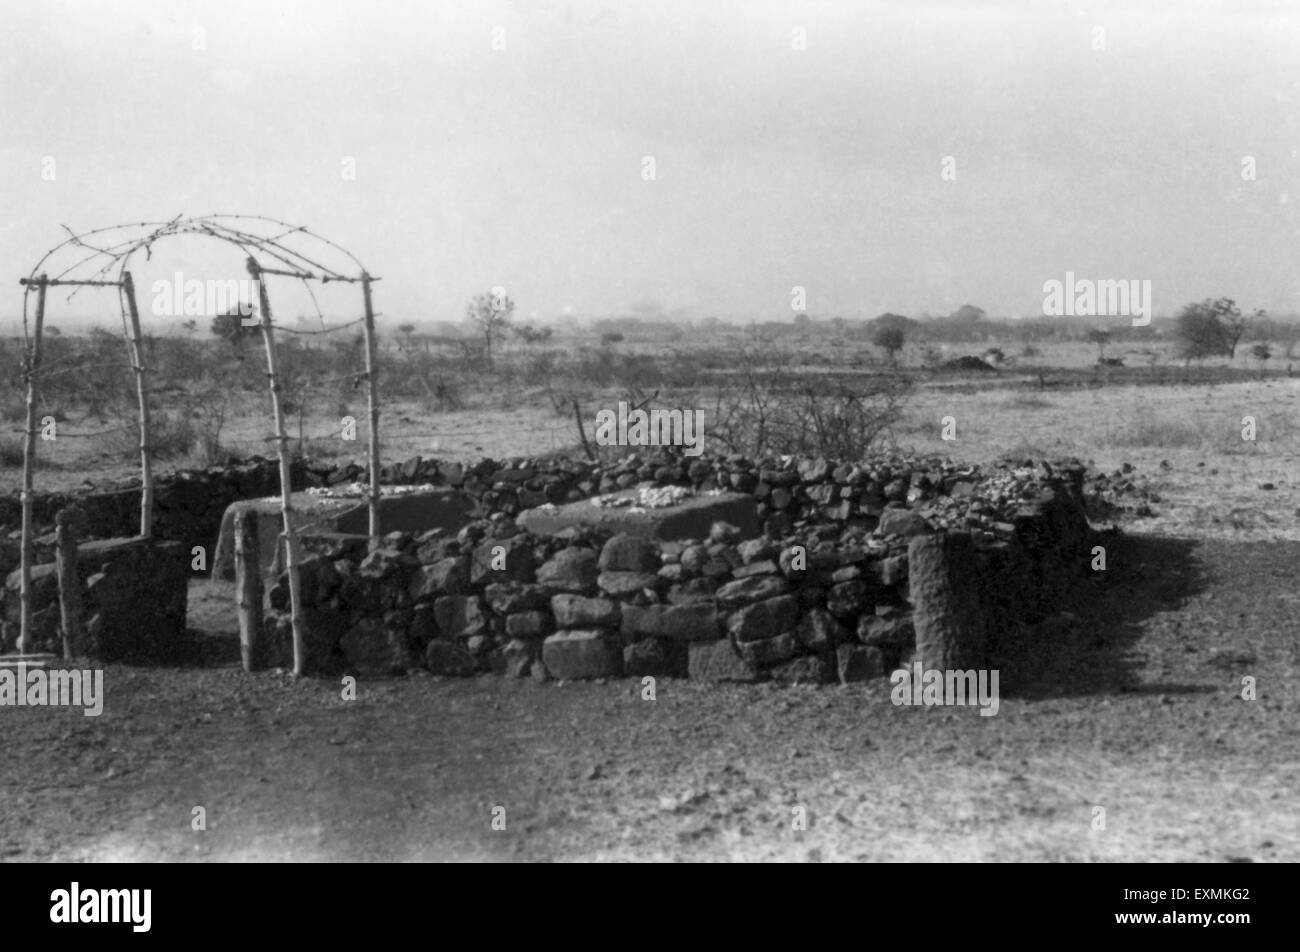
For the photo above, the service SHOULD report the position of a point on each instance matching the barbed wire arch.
(101, 258)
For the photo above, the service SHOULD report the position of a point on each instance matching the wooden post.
(33, 365)
(67, 527)
(372, 392)
(248, 586)
(286, 471)
(582, 432)
(142, 395)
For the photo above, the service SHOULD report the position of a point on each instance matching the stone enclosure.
(718, 568)
(851, 572)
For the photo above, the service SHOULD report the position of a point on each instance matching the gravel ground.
(1136, 711)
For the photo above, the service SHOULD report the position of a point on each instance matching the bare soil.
(1135, 708)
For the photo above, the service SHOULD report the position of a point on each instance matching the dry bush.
(769, 408)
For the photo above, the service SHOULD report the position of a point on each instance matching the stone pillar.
(948, 615)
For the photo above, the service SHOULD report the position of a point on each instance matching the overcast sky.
(773, 166)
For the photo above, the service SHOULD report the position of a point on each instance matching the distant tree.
(1235, 324)
(190, 326)
(890, 340)
(53, 331)
(968, 313)
(609, 338)
(1101, 339)
(490, 314)
(1209, 328)
(898, 321)
(802, 320)
(532, 335)
(406, 344)
(230, 327)
(1263, 354)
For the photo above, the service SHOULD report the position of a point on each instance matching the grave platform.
(689, 519)
(413, 512)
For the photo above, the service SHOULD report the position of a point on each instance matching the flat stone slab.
(689, 519)
(318, 515)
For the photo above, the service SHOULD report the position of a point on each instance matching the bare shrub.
(768, 408)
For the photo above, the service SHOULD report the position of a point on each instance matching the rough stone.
(505, 598)
(847, 599)
(762, 567)
(769, 651)
(387, 563)
(694, 622)
(570, 570)
(445, 577)
(460, 616)
(529, 624)
(819, 631)
(626, 584)
(583, 653)
(894, 630)
(756, 550)
(765, 619)
(375, 647)
(695, 590)
(579, 611)
(503, 560)
(658, 657)
(901, 522)
(747, 591)
(449, 658)
(719, 661)
(627, 553)
(858, 663)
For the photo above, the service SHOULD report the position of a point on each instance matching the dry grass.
(1195, 429)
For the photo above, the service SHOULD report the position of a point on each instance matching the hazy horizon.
(1114, 155)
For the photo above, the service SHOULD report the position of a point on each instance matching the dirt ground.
(1137, 711)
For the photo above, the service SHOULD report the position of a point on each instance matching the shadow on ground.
(1091, 646)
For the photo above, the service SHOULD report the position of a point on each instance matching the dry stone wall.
(134, 598)
(190, 503)
(821, 596)
(824, 593)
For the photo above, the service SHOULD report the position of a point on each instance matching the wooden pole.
(582, 432)
(33, 365)
(248, 586)
(67, 527)
(372, 392)
(286, 471)
(142, 395)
